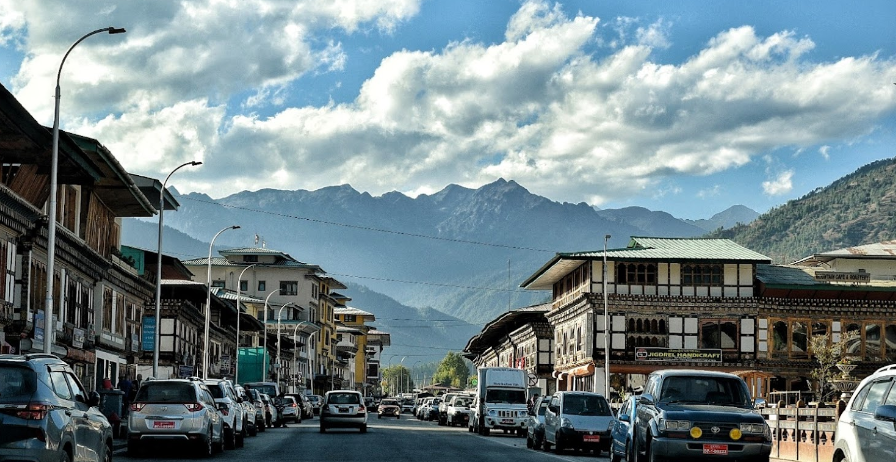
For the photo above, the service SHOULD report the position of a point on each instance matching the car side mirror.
(93, 400)
(647, 399)
(239, 399)
(623, 417)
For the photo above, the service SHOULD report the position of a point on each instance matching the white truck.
(500, 401)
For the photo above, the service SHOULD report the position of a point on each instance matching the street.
(406, 439)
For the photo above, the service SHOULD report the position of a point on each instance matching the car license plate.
(162, 424)
(507, 421)
(343, 409)
(591, 438)
(716, 449)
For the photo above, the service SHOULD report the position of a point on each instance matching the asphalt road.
(392, 440)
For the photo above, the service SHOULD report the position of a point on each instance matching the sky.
(688, 107)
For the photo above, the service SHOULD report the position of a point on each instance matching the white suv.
(231, 409)
(866, 430)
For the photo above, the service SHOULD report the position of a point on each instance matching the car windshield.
(506, 396)
(586, 405)
(166, 393)
(266, 389)
(705, 390)
(543, 406)
(389, 402)
(16, 384)
(461, 402)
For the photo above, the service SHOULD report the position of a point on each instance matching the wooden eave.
(115, 187)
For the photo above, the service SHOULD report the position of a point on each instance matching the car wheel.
(64, 457)
(546, 446)
(133, 448)
(653, 456)
(205, 446)
(537, 443)
(397, 416)
(229, 439)
(363, 428)
(323, 429)
(529, 442)
(558, 448)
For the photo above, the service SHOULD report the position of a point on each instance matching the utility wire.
(368, 228)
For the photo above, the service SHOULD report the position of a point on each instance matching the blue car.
(622, 433)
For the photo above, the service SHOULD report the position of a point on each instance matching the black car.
(691, 414)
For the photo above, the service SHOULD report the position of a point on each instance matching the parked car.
(175, 410)
(261, 410)
(621, 445)
(250, 412)
(866, 430)
(407, 405)
(535, 425)
(431, 409)
(271, 414)
(231, 411)
(578, 419)
(271, 389)
(46, 413)
(388, 407)
(458, 411)
(443, 407)
(343, 409)
(691, 414)
(316, 400)
(304, 404)
(289, 409)
(423, 409)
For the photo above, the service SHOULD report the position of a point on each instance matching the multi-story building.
(97, 294)
(377, 341)
(522, 339)
(354, 318)
(707, 303)
(295, 307)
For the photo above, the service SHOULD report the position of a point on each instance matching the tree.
(397, 379)
(828, 354)
(452, 371)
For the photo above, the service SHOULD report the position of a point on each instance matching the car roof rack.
(886, 368)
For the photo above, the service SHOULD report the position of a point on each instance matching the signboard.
(78, 336)
(225, 364)
(184, 371)
(838, 276)
(39, 326)
(149, 333)
(683, 355)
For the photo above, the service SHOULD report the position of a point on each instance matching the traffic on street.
(385, 440)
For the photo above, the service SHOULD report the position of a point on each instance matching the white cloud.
(539, 108)
(825, 152)
(779, 185)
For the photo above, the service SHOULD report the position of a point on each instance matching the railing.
(804, 434)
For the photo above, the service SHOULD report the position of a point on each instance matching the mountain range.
(449, 262)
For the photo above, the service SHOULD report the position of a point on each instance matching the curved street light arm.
(208, 303)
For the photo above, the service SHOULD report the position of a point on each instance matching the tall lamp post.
(312, 351)
(279, 312)
(239, 282)
(264, 354)
(606, 326)
(156, 341)
(208, 303)
(51, 226)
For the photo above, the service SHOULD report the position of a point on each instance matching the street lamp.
(236, 367)
(156, 341)
(606, 327)
(51, 226)
(208, 302)
(279, 312)
(264, 353)
(312, 352)
(295, 356)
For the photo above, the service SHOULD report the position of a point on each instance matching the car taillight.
(34, 411)
(137, 407)
(361, 408)
(193, 407)
(292, 405)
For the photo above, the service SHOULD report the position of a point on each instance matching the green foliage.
(453, 371)
(857, 209)
(397, 379)
(827, 355)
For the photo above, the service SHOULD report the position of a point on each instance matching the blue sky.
(687, 107)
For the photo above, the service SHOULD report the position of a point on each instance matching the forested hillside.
(857, 209)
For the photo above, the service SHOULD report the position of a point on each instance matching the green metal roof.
(657, 249)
